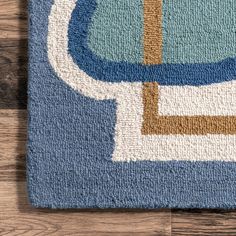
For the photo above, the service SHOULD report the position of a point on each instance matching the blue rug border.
(72, 178)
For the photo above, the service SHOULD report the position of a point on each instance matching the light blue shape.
(198, 31)
(116, 31)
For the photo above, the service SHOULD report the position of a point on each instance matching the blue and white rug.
(132, 104)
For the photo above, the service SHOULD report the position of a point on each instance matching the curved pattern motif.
(165, 74)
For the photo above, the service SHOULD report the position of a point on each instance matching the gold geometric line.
(152, 32)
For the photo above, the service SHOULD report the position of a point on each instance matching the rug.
(132, 104)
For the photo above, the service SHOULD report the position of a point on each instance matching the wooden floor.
(17, 217)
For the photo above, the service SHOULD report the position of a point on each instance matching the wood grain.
(13, 19)
(203, 223)
(12, 145)
(13, 73)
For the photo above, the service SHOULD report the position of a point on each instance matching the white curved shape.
(63, 63)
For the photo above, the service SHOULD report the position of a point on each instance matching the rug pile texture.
(132, 104)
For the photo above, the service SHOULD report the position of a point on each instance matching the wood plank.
(12, 145)
(17, 217)
(203, 222)
(13, 8)
(13, 19)
(13, 51)
(13, 74)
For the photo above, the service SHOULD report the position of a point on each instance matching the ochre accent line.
(152, 32)
(190, 125)
(150, 98)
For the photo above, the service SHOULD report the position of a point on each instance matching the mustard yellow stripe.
(153, 32)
